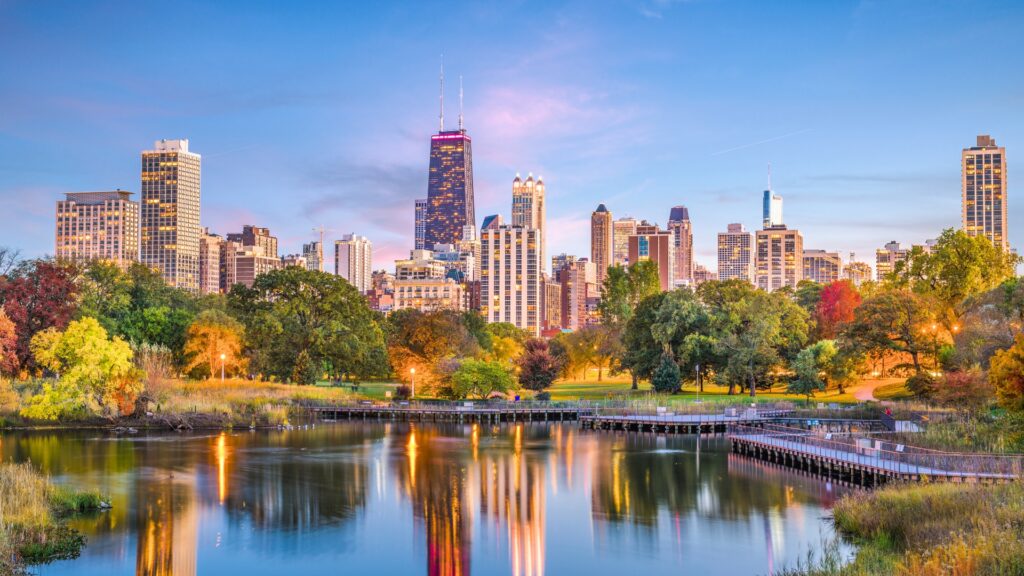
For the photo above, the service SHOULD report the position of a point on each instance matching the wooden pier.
(864, 461)
(485, 412)
(679, 423)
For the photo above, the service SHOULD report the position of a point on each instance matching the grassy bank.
(32, 514)
(929, 530)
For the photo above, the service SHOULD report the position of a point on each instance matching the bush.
(921, 384)
(403, 392)
(666, 375)
(964, 390)
(543, 396)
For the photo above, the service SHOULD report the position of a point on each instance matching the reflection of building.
(98, 226)
(167, 520)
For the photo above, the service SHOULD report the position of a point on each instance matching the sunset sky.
(321, 113)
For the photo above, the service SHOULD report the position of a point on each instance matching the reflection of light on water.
(410, 448)
(222, 456)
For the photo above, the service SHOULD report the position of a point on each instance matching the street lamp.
(222, 358)
(413, 372)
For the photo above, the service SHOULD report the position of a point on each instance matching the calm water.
(428, 499)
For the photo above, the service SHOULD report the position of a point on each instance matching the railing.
(885, 456)
(448, 406)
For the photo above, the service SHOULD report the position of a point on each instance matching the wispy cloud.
(760, 142)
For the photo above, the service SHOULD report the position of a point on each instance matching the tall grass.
(931, 530)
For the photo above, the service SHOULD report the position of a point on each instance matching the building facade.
(602, 239)
(779, 258)
(528, 206)
(821, 266)
(771, 210)
(429, 294)
(510, 276)
(857, 272)
(887, 257)
(651, 243)
(98, 226)
(622, 229)
(169, 212)
(551, 295)
(420, 265)
(449, 188)
(735, 254)
(313, 252)
(682, 245)
(210, 248)
(421, 224)
(353, 261)
(983, 191)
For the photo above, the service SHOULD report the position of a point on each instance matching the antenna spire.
(460, 102)
(442, 95)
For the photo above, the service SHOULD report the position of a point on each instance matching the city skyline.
(602, 127)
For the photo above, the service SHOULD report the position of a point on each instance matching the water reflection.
(447, 500)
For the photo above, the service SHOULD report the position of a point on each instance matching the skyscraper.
(735, 254)
(622, 229)
(983, 198)
(210, 249)
(421, 224)
(510, 275)
(169, 216)
(313, 252)
(887, 257)
(450, 183)
(602, 241)
(682, 244)
(353, 261)
(771, 206)
(528, 206)
(779, 259)
(98, 226)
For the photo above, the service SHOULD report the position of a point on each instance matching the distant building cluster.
(498, 268)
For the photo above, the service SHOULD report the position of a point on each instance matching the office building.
(510, 276)
(572, 277)
(682, 245)
(771, 209)
(821, 266)
(353, 260)
(98, 226)
(449, 184)
(735, 253)
(169, 213)
(701, 275)
(602, 242)
(421, 224)
(551, 296)
(528, 206)
(622, 229)
(651, 243)
(778, 260)
(983, 191)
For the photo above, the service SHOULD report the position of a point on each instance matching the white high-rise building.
(353, 261)
(528, 206)
(98, 226)
(510, 276)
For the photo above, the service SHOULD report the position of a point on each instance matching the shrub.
(921, 384)
(403, 392)
(666, 375)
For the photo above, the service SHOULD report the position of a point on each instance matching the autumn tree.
(835, 307)
(538, 369)
(425, 341)
(890, 321)
(214, 341)
(8, 346)
(95, 374)
(37, 295)
(480, 378)
(1006, 374)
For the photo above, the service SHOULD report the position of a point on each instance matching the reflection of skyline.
(473, 498)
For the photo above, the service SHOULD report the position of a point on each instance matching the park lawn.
(363, 391)
(594, 390)
(894, 391)
(620, 388)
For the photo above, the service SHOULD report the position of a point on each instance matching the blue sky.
(321, 113)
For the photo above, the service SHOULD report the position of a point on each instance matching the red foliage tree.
(835, 308)
(37, 295)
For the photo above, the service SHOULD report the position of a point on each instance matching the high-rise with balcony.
(602, 242)
(682, 244)
(169, 212)
(353, 261)
(510, 275)
(822, 266)
(735, 253)
(211, 247)
(421, 224)
(779, 258)
(98, 226)
(983, 191)
(528, 206)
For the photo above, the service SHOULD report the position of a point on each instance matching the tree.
(624, 288)
(480, 378)
(666, 375)
(506, 342)
(967, 390)
(682, 326)
(95, 374)
(1006, 374)
(807, 295)
(214, 341)
(36, 295)
(835, 307)
(641, 353)
(537, 367)
(818, 366)
(425, 341)
(890, 321)
(8, 346)
(956, 268)
(294, 310)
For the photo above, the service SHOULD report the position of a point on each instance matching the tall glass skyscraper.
(449, 188)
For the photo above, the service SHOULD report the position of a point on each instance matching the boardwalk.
(678, 423)
(453, 412)
(865, 461)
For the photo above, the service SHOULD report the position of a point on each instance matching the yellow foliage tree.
(214, 340)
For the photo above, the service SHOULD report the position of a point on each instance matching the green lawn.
(894, 391)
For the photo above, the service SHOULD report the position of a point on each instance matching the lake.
(400, 498)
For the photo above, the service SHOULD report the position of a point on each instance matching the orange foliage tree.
(214, 339)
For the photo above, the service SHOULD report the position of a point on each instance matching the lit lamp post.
(412, 371)
(222, 358)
